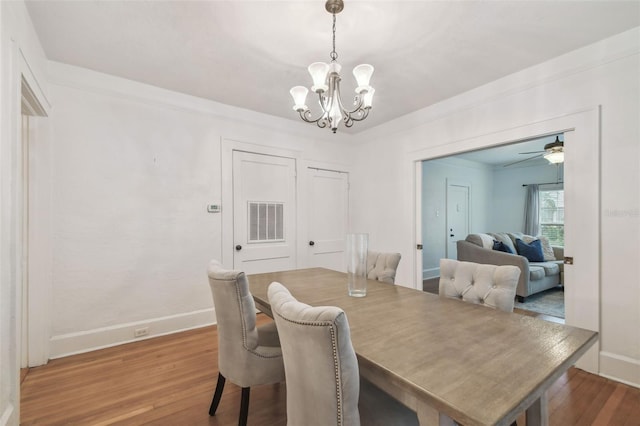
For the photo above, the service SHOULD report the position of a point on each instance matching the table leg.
(429, 416)
(538, 413)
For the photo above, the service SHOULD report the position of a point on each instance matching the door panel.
(264, 225)
(457, 217)
(328, 203)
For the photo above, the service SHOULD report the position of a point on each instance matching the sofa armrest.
(470, 252)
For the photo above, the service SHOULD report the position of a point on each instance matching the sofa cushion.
(500, 246)
(532, 251)
(482, 240)
(550, 268)
(515, 235)
(506, 240)
(536, 272)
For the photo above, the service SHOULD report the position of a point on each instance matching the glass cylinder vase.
(357, 247)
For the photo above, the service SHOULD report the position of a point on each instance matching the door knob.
(312, 243)
(451, 235)
(238, 247)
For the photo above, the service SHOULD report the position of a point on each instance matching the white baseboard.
(90, 340)
(620, 368)
(430, 273)
(7, 414)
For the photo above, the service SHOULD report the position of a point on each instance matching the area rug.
(548, 302)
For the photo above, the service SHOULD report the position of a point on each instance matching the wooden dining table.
(443, 358)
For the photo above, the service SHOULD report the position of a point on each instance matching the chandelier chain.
(333, 54)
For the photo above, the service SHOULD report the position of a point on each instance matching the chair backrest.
(490, 285)
(238, 341)
(382, 266)
(320, 363)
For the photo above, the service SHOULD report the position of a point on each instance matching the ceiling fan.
(553, 152)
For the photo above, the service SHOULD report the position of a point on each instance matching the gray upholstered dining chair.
(382, 266)
(247, 355)
(489, 285)
(323, 380)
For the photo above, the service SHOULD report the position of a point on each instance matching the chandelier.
(326, 84)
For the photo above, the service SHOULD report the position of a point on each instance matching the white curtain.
(531, 209)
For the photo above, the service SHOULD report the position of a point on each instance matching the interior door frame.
(33, 262)
(582, 130)
(227, 147)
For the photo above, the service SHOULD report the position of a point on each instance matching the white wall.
(507, 207)
(435, 174)
(604, 74)
(134, 168)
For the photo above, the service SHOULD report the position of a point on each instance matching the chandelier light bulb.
(299, 95)
(363, 73)
(318, 71)
(368, 98)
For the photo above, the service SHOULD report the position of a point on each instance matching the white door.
(457, 217)
(328, 213)
(264, 223)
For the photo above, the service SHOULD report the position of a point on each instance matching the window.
(552, 215)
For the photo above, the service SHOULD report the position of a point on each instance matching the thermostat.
(214, 208)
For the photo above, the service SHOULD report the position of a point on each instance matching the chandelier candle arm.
(326, 83)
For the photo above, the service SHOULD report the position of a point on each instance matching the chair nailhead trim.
(336, 360)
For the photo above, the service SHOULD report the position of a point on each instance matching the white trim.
(430, 273)
(90, 340)
(575, 62)
(582, 311)
(6, 415)
(418, 255)
(90, 81)
(620, 368)
(37, 98)
(36, 286)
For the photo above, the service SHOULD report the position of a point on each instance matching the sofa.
(534, 276)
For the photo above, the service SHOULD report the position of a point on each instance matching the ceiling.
(505, 155)
(250, 53)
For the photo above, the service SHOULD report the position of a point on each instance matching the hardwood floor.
(170, 380)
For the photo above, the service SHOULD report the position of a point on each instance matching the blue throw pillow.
(500, 246)
(532, 251)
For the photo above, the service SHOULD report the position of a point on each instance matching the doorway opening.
(484, 191)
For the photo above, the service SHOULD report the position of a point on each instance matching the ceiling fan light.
(318, 71)
(554, 157)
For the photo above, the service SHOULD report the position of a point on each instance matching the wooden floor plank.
(610, 407)
(169, 380)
